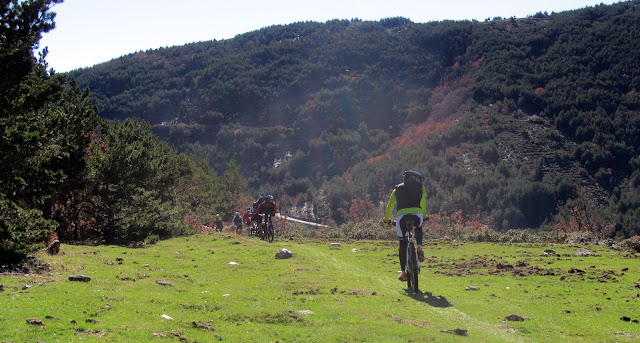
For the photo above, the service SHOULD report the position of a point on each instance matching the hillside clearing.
(323, 293)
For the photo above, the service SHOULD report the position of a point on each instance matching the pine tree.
(132, 182)
(44, 126)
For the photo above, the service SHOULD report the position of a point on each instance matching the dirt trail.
(430, 304)
(281, 217)
(300, 221)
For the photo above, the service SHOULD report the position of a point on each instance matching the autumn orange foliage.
(445, 106)
(375, 159)
(477, 63)
(361, 209)
(415, 134)
(577, 222)
(440, 224)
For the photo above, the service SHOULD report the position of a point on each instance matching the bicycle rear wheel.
(412, 268)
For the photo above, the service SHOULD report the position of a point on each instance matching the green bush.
(152, 239)
(368, 229)
(21, 232)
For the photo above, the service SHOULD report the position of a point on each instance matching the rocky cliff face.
(305, 212)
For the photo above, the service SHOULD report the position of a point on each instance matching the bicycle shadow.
(429, 298)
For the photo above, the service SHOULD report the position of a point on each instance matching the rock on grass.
(82, 278)
(584, 252)
(35, 321)
(284, 254)
(201, 325)
(459, 332)
(515, 318)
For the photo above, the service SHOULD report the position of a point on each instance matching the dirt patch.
(497, 265)
(359, 292)
(353, 292)
(309, 292)
(94, 333)
(489, 265)
(28, 267)
(281, 317)
(414, 322)
(202, 325)
(607, 276)
(335, 290)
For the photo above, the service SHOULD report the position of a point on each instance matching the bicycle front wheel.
(270, 233)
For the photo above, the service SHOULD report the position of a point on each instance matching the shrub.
(368, 229)
(152, 239)
(632, 244)
(21, 232)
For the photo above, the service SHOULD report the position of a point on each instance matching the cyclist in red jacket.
(267, 206)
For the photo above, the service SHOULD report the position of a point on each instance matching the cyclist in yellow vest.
(410, 197)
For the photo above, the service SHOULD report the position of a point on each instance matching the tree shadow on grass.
(429, 299)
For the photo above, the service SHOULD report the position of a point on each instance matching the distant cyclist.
(257, 203)
(237, 221)
(218, 223)
(246, 219)
(410, 198)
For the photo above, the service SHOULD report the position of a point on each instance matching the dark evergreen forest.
(517, 123)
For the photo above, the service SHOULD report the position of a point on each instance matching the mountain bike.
(269, 229)
(410, 223)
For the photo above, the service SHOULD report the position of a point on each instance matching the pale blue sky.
(94, 31)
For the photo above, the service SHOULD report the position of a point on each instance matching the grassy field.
(323, 294)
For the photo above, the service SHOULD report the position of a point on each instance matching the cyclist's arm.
(390, 205)
(423, 202)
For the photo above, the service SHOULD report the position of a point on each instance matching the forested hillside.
(517, 123)
(331, 94)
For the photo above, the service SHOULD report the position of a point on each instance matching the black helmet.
(412, 173)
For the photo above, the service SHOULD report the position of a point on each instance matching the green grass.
(353, 296)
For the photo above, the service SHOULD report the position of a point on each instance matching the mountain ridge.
(346, 97)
